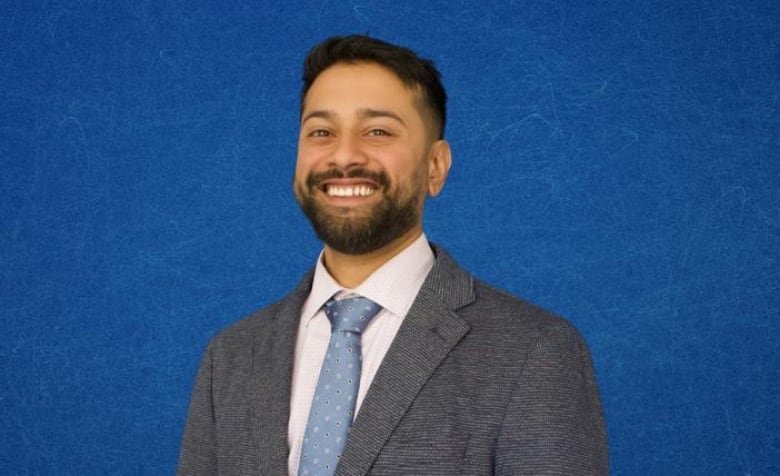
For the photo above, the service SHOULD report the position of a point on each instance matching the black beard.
(389, 219)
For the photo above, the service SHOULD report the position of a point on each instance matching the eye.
(379, 133)
(319, 133)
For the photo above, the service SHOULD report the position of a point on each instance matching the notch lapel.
(429, 331)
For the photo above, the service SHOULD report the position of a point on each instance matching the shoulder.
(251, 323)
(512, 325)
(502, 305)
(264, 323)
(492, 310)
(272, 316)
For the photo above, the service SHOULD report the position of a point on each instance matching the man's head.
(416, 73)
(369, 149)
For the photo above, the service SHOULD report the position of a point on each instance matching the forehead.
(366, 84)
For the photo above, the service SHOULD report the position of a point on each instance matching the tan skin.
(362, 115)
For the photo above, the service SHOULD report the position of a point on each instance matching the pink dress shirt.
(394, 286)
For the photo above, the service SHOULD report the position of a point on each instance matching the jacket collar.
(429, 331)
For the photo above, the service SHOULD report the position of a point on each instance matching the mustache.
(315, 179)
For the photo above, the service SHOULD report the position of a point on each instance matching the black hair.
(413, 71)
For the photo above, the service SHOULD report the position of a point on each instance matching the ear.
(439, 161)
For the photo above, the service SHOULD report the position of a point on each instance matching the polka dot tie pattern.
(333, 407)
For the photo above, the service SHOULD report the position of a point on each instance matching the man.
(455, 376)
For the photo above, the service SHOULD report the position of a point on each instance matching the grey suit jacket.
(475, 382)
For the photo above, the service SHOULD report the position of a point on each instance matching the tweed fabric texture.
(475, 382)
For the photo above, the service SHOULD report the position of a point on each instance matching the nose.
(348, 153)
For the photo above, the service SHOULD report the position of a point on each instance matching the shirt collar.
(394, 286)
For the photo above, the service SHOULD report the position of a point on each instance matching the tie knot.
(351, 314)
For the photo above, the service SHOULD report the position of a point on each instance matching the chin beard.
(355, 235)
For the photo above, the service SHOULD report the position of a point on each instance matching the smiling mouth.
(355, 183)
(333, 190)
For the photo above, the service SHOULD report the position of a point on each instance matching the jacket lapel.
(429, 331)
(272, 362)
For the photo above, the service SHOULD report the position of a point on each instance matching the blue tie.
(334, 400)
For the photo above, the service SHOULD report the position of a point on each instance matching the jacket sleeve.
(198, 455)
(553, 424)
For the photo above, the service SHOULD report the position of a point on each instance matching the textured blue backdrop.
(617, 163)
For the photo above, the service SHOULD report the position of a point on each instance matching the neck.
(351, 270)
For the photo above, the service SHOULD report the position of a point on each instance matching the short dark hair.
(413, 71)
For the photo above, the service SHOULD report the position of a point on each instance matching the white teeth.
(356, 191)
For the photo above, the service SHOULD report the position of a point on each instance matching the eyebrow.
(364, 113)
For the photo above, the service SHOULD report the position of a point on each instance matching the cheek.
(300, 178)
(310, 158)
(304, 163)
(406, 165)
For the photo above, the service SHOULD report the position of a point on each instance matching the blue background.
(615, 162)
